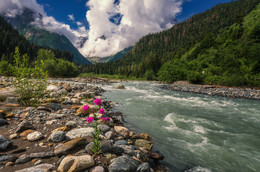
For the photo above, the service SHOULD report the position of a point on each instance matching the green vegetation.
(10, 38)
(56, 63)
(218, 46)
(121, 77)
(118, 55)
(55, 41)
(31, 81)
(46, 59)
(230, 58)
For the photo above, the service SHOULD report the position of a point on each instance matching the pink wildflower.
(101, 111)
(105, 119)
(85, 107)
(97, 101)
(90, 119)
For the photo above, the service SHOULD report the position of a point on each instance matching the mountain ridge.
(42, 37)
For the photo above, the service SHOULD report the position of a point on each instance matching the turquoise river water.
(193, 131)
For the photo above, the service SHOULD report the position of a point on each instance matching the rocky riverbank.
(55, 136)
(214, 90)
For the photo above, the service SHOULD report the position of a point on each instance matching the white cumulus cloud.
(138, 18)
(112, 26)
(11, 8)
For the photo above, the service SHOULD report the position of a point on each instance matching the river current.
(193, 131)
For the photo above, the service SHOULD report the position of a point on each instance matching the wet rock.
(128, 149)
(91, 109)
(104, 128)
(141, 136)
(52, 88)
(5, 143)
(23, 159)
(3, 122)
(24, 125)
(117, 150)
(121, 142)
(38, 168)
(123, 164)
(144, 144)
(42, 155)
(110, 134)
(144, 167)
(122, 130)
(81, 132)
(106, 146)
(155, 155)
(119, 86)
(69, 146)
(57, 136)
(34, 136)
(71, 124)
(76, 163)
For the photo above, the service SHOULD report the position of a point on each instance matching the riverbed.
(206, 133)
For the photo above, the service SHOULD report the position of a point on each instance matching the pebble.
(57, 136)
(34, 136)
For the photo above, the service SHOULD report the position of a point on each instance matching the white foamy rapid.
(196, 132)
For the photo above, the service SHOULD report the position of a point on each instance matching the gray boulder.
(123, 164)
(119, 86)
(104, 128)
(57, 136)
(80, 132)
(5, 143)
(144, 167)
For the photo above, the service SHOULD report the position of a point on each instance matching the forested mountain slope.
(154, 50)
(10, 38)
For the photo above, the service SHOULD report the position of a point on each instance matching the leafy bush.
(149, 75)
(172, 71)
(6, 68)
(30, 83)
(194, 77)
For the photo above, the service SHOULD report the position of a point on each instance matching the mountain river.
(194, 132)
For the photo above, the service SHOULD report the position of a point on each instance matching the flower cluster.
(97, 102)
(96, 147)
(86, 107)
(107, 119)
(90, 119)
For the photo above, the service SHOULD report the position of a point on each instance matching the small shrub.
(30, 83)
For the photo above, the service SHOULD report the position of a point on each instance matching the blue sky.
(60, 9)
